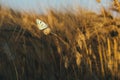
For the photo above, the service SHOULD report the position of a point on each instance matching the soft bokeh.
(42, 5)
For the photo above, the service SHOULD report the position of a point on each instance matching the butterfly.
(41, 25)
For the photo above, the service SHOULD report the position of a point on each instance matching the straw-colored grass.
(82, 46)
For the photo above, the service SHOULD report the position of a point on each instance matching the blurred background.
(43, 5)
(82, 46)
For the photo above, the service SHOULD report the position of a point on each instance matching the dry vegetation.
(84, 46)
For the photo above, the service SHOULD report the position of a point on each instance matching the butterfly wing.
(41, 25)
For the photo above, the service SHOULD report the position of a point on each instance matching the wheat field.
(83, 46)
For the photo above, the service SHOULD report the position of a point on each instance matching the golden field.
(82, 46)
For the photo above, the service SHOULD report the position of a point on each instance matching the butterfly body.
(43, 27)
